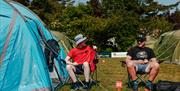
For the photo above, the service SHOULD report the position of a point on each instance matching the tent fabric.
(64, 41)
(22, 62)
(61, 67)
(66, 45)
(167, 47)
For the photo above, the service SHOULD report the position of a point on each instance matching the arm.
(130, 55)
(129, 58)
(153, 60)
(67, 59)
(152, 55)
(91, 55)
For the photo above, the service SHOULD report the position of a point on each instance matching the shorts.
(79, 69)
(142, 68)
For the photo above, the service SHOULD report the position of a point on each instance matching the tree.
(24, 2)
(96, 7)
(175, 19)
(105, 20)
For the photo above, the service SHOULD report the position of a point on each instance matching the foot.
(135, 85)
(149, 85)
(75, 86)
(87, 85)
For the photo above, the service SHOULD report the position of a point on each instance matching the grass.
(110, 70)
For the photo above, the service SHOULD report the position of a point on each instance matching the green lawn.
(110, 70)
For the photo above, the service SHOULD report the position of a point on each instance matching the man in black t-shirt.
(142, 59)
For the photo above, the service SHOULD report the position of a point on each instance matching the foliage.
(159, 24)
(101, 21)
(175, 19)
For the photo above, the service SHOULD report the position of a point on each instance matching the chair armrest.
(123, 63)
(95, 61)
(160, 61)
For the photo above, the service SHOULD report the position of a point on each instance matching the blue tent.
(22, 61)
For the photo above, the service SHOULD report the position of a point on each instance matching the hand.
(145, 61)
(74, 63)
(140, 61)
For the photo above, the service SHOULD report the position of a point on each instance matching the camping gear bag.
(167, 86)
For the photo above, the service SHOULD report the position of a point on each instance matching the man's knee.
(85, 64)
(68, 67)
(155, 65)
(130, 64)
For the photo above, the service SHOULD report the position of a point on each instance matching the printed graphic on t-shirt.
(142, 55)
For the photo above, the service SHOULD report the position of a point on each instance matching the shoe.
(149, 85)
(75, 86)
(135, 85)
(87, 85)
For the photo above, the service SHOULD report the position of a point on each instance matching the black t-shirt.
(138, 53)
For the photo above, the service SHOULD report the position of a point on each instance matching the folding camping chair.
(93, 81)
(140, 76)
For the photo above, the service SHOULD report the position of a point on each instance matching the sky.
(165, 2)
(168, 2)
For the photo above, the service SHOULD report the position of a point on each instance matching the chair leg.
(129, 81)
(96, 80)
(142, 77)
(79, 80)
(92, 80)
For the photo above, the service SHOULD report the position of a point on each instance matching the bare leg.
(70, 70)
(86, 71)
(154, 69)
(131, 70)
